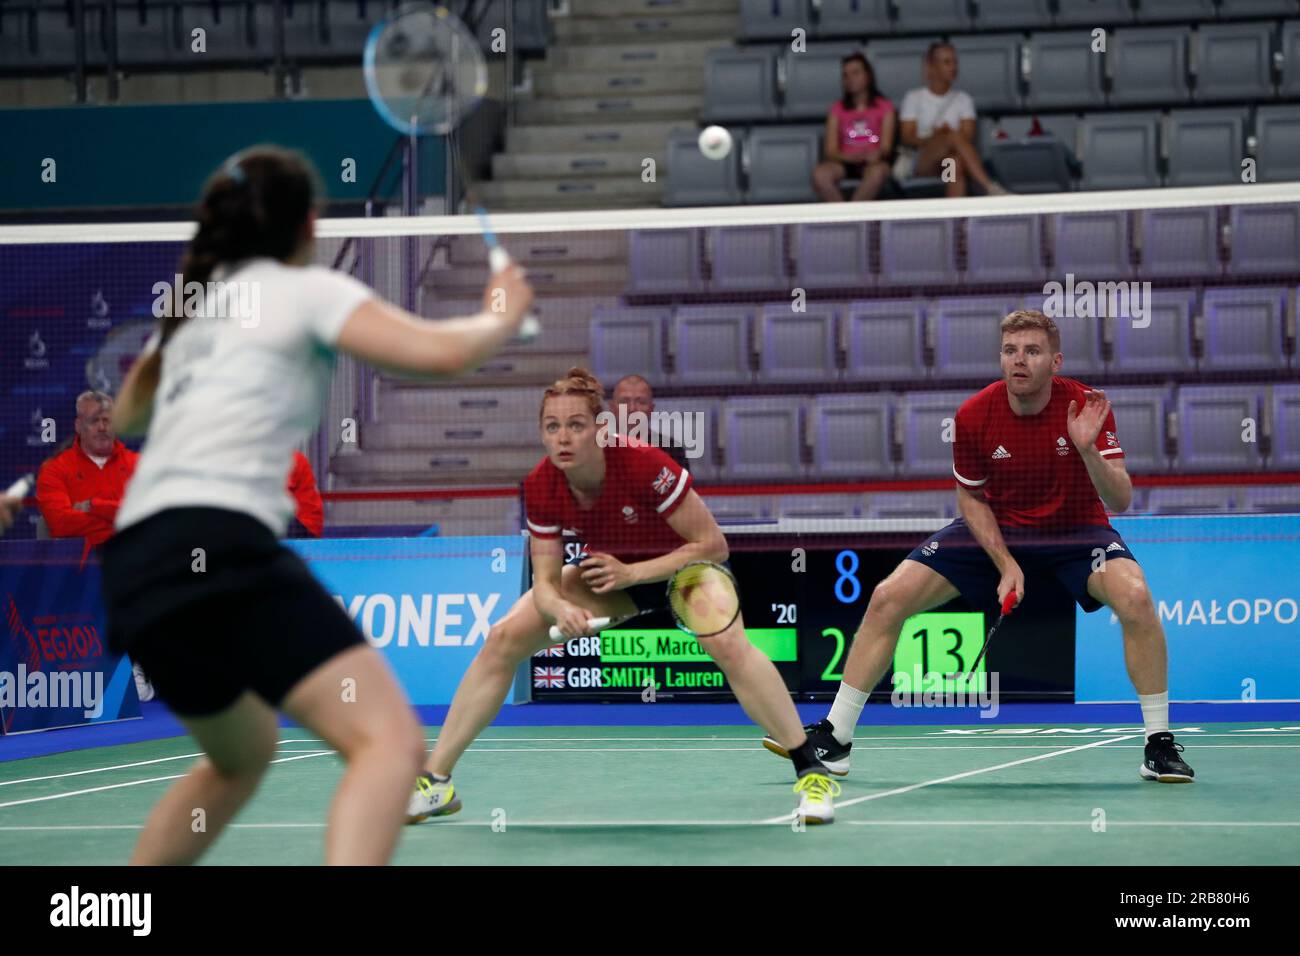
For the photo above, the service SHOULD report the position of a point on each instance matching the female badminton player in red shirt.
(230, 625)
(638, 520)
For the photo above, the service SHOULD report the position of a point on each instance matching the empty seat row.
(891, 340)
(774, 19)
(1262, 240)
(1201, 429)
(1168, 66)
(162, 33)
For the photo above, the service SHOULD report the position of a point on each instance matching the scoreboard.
(802, 601)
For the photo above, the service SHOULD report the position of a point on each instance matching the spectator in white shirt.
(937, 123)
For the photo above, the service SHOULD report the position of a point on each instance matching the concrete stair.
(620, 76)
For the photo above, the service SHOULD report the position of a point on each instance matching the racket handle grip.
(21, 488)
(1009, 603)
(498, 261)
(593, 624)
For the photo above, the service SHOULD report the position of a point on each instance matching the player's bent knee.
(726, 650)
(1134, 605)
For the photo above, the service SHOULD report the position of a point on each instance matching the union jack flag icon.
(548, 677)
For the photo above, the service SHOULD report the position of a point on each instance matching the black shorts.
(644, 596)
(1069, 556)
(254, 618)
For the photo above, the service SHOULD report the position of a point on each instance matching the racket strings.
(703, 599)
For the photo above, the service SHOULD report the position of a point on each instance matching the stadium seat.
(1180, 11)
(303, 30)
(706, 412)
(1120, 150)
(851, 436)
(773, 19)
(53, 45)
(1041, 164)
(1243, 328)
(1063, 126)
(917, 252)
(228, 32)
(965, 335)
(1179, 242)
(1265, 239)
(1285, 406)
(831, 255)
(811, 80)
(694, 179)
(1290, 48)
(1080, 339)
(1162, 346)
(928, 429)
(1210, 428)
(1191, 499)
(1091, 245)
(628, 342)
(532, 29)
(781, 161)
(938, 16)
(742, 509)
(989, 70)
(1274, 499)
(1149, 65)
(1277, 153)
(941, 506)
(885, 340)
(852, 18)
(761, 438)
(1004, 248)
(1140, 415)
(1206, 146)
(664, 260)
(898, 66)
(1064, 71)
(1234, 61)
(796, 346)
(828, 506)
(1093, 13)
(739, 85)
(145, 36)
(350, 23)
(745, 258)
(710, 345)
(1231, 9)
(1000, 14)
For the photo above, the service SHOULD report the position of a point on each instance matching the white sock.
(1155, 712)
(845, 712)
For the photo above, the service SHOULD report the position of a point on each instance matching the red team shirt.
(643, 486)
(1026, 465)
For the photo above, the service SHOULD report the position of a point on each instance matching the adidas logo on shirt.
(1001, 453)
(1115, 546)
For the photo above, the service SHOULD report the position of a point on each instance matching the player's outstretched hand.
(572, 620)
(1013, 580)
(508, 295)
(1084, 425)
(604, 573)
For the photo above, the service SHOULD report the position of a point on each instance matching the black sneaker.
(1162, 762)
(833, 754)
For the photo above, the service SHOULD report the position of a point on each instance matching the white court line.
(956, 776)
(120, 766)
(937, 735)
(572, 824)
(136, 783)
(759, 750)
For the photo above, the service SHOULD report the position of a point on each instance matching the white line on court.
(136, 783)
(753, 737)
(120, 766)
(958, 776)
(574, 824)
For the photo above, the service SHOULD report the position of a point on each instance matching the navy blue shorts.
(1070, 556)
(644, 596)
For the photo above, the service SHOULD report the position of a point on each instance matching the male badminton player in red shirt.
(639, 521)
(1037, 463)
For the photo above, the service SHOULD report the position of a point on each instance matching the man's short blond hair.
(1023, 320)
(98, 397)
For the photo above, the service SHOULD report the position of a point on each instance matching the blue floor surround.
(157, 722)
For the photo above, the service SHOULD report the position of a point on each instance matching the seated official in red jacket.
(78, 490)
(309, 510)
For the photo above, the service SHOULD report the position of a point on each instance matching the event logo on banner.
(55, 666)
(427, 603)
(1228, 596)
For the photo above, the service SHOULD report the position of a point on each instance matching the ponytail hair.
(254, 206)
(577, 381)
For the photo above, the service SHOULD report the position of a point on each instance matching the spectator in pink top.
(859, 135)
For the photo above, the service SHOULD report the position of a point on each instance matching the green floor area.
(712, 795)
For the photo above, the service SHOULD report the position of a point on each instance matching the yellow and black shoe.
(432, 798)
(817, 793)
